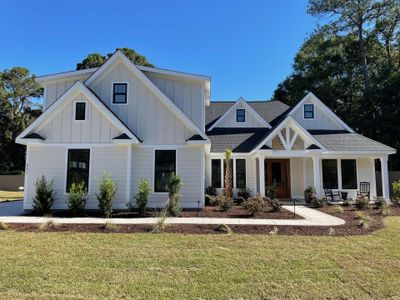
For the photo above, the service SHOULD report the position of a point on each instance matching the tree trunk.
(363, 58)
(228, 179)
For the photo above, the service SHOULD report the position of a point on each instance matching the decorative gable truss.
(230, 115)
(289, 135)
(61, 111)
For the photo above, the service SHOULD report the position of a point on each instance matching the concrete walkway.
(311, 217)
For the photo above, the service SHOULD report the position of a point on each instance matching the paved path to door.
(311, 217)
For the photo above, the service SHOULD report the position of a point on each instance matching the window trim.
(244, 115)
(339, 173)
(74, 111)
(153, 179)
(221, 159)
(112, 92)
(304, 111)
(78, 147)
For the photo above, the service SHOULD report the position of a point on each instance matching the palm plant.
(228, 173)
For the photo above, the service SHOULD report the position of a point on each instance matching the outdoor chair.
(364, 190)
(332, 196)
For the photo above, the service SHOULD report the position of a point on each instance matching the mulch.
(351, 227)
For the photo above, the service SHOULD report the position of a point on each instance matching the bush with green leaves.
(362, 203)
(224, 202)
(319, 202)
(396, 193)
(244, 194)
(254, 205)
(142, 195)
(107, 191)
(271, 192)
(275, 204)
(381, 204)
(77, 198)
(44, 197)
(209, 193)
(308, 194)
(174, 187)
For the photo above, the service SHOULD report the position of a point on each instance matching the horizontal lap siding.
(297, 180)
(51, 162)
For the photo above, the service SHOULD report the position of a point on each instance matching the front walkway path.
(311, 217)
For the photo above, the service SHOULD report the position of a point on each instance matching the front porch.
(291, 173)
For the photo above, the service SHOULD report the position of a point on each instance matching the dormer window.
(240, 115)
(120, 93)
(80, 111)
(308, 111)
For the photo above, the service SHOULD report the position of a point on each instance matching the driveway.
(13, 208)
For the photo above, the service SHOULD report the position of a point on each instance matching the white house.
(133, 121)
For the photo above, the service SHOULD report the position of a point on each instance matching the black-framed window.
(329, 174)
(308, 111)
(120, 92)
(240, 115)
(80, 111)
(164, 168)
(216, 173)
(240, 173)
(349, 173)
(78, 167)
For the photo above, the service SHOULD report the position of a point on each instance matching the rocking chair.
(364, 190)
(332, 196)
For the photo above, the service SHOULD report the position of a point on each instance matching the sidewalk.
(311, 217)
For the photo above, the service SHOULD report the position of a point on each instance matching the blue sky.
(247, 47)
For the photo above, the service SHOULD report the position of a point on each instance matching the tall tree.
(17, 111)
(95, 60)
(350, 16)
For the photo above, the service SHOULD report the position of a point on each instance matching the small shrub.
(364, 220)
(224, 228)
(111, 226)
(3, 226)
(381, 204)
(396, 190)
(362, 203)
(47, 225)
(308, 193)
(275, 204)
(338, 209)
(319, 202)
(224, 202)
(274, 231)
(331, 231)
(254, 205)
(244, 193)
(107, 191)
(271, 192)
(209, 193)
(174, 187)
(77, 198)
(44, 197)
(160, 225)
(395, 201)
(142, 195)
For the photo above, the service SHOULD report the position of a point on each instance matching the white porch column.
(385, 177)
(261, 178)
(317, 175)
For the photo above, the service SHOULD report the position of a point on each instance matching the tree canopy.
(362, 88)
(94, 60)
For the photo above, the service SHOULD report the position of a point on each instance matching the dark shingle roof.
(349, 142)
(268, 110)
(238, 139)
(33, 136)
(196, 137)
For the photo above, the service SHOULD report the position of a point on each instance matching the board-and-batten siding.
(188, 166)
(52, 162)
(54, 90)
(229, 120)
(144, 114)
(63, 129)
(187, 96)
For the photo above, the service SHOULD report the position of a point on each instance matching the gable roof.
(118, 56)
(268, 110)
(314, 99)
(75, 89)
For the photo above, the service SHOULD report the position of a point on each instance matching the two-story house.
(133, 122)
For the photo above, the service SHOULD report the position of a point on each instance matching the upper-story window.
(240, 115)
(308, 111)
(120, 93)
(80, 111)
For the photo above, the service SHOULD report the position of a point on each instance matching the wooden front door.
(277, 173)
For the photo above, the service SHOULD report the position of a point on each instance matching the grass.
(96, 266)
(11, 196)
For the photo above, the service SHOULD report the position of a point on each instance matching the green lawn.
(10, 196)
(98, 265)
